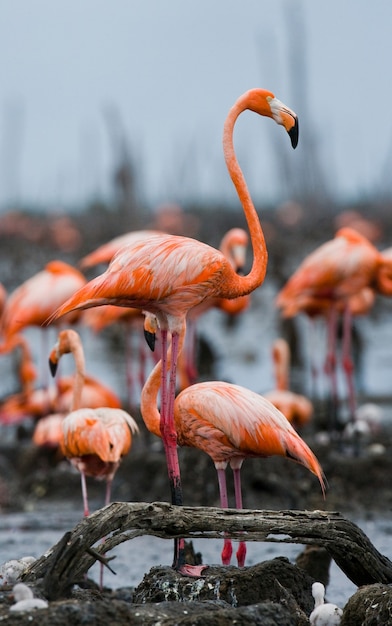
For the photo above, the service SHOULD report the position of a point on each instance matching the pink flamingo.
(168, 275)
(229, 423)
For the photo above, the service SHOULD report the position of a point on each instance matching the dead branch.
(73, 555)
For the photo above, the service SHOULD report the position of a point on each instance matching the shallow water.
(33, 533)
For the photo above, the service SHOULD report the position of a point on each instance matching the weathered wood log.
(72, 556)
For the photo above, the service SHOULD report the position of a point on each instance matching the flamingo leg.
(347, 362)
(86, 511)
(108, 494)
(169, 438)
(227, 544)
(330, 365)
(241, 552)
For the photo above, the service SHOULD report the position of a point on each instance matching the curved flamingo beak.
(150, 338)
(53, 360)
(293, 133)
(53, 367)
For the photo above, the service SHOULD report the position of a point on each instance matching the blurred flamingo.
(233, 245)
(27, 369)
(3, 298)
(328, 277)
(168, 275)
(229, 423)
(29, 402)
(296, 407)
(136, 352)
(37, 298)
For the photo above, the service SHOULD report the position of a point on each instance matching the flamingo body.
(231, 423)
(96, 440)
(105, 252)
(38, 297)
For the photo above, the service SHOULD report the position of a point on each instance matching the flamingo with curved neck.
(167, 275)
(94, 440)
(229, 423)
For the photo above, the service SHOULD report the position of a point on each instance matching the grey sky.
(172, 69)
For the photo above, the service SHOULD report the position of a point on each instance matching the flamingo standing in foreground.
(295, 407)
(167, 275)
(329, 277)
(229, 423)
(94, 440)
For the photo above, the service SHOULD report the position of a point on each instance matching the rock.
(371, 605)
(273, 593)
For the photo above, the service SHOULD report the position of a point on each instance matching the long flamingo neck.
(281, 359)
(256, 276)
(80, 373)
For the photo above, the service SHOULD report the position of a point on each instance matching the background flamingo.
(229, 423)
(37, 298)
(233, 245)
(329, 277)
(94, 440)
(295, 407)
(167, 275)
(137, 354)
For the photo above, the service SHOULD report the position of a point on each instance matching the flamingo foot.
(227, 552)
(241, 554)
(194, 571)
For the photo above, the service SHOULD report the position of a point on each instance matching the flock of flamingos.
(164, 283)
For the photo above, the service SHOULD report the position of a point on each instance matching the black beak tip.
(293, 133)
(150, 338)
(52, 367)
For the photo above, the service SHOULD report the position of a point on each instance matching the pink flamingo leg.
(227, 544)
(347, 362)
(86, 511)
(241, 552)
(330, 363)
(169, 438)
(108, 494)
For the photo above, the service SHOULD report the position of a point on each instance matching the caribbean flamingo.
(29, 402)
(295, 407)
(233, 245)
(33, 301)
(130, 319)
(105, 252)
(167, 275)
(94, 440)
(333, 273)
(229, 423)
(48, 431)
(38, 297)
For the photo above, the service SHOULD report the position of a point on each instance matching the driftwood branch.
(73, 555)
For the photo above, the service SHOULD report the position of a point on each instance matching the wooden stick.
(121, 521)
